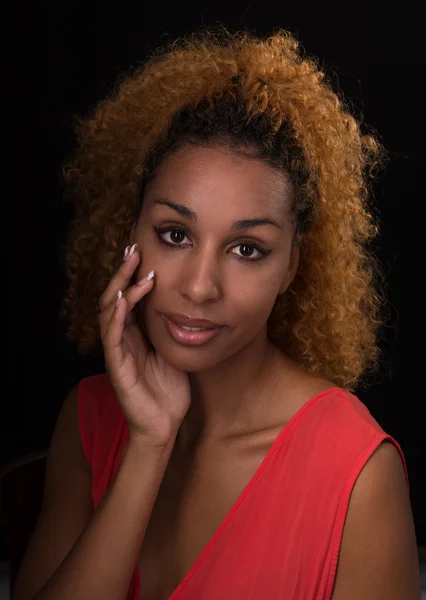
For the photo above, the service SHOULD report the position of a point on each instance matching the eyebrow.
(186, 212)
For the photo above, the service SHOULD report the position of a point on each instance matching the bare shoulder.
(378, 553)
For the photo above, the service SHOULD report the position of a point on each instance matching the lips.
(186, 321)
(190, 338)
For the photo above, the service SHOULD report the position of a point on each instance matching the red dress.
(281, 538)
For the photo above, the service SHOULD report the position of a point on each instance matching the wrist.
(140, 444)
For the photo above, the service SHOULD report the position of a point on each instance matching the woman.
(223, 454)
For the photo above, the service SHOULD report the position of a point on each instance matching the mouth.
(190, 336)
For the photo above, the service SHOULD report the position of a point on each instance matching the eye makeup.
(175, 245)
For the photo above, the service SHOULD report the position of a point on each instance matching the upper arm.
(67, 504)
(378, 554)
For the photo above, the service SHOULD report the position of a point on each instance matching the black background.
(67, 56)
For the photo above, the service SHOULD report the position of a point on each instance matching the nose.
(200, 278)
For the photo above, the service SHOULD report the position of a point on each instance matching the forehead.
(221, 181)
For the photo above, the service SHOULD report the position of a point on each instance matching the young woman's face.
(207, 266)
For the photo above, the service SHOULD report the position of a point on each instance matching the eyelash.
(160, 230)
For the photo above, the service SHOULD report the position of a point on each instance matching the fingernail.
(119, 295)
(147, 278)
(126, 252)
(132, 249)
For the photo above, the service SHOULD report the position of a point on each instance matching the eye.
(247, 251)
(177, 235)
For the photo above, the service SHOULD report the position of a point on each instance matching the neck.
(228, 398)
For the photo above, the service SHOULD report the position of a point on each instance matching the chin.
(191, 359)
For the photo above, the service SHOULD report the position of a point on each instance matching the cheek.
(166, 281)
(252, 300)
(150, 259)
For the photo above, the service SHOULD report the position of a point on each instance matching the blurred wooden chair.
(21, 495)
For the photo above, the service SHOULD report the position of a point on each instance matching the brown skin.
(243, 393)
(378, 556)
(243, 390)
(205, 278)
(240, 383)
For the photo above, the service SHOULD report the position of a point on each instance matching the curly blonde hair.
(261, 95)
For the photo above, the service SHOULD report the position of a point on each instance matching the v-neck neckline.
(243, 495)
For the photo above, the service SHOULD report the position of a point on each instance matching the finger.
(135, 293)
(132, 296)
(120, 280)
(112, 341)
(113, 338)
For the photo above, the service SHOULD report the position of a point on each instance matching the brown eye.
(177, 235)
(247, 251)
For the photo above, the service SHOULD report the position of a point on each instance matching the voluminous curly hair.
(260, 96)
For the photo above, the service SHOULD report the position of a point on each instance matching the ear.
(292, 268)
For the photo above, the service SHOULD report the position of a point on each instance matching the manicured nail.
(119, 295)
(126, 252)
(147, 278)
(132, 249)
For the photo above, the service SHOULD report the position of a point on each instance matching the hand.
(154, 396)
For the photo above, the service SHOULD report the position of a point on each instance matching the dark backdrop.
(67, 57)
